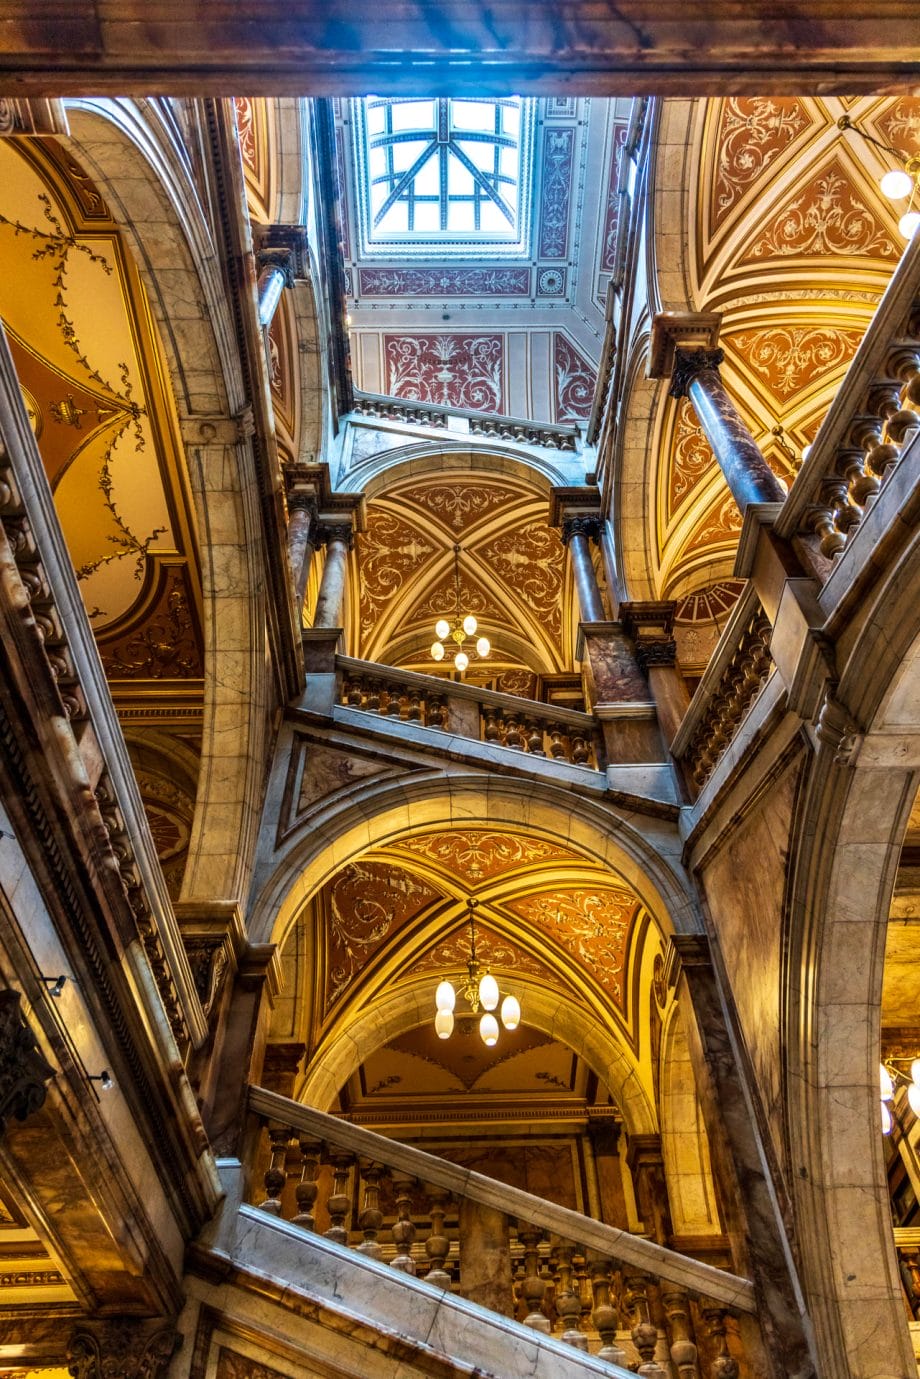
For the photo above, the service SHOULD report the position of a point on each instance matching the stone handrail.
(875, 412)
(558, 437)
(29, 518)
(735, 675)
(488, 716)
(316, 1133)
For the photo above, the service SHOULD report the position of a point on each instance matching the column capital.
(23, 1068)
(574, 500)
(122, 1348)
(583, 525)
(688, 364)
(335, 531)
(285, 247)
(680, 330)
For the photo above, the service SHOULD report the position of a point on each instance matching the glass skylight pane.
(478, 116)
(461, 217)
(427, 217)
(412, 115)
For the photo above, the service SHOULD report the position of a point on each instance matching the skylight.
(444, 175)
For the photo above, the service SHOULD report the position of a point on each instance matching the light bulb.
(461, 660)
(887, 1086)
(913, 1098)
(909, 223)
(488, 991)
(469, 625)
(445, 997)
(511, 1012)
(444, 1024)
(896, 184)
(442, 628)
(483, 647)
(915, 1071)
(437, 651)
(488, 1030)
(886, 1118)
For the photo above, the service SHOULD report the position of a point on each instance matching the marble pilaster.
(485, 1257)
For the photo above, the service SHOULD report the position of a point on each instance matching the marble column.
(741, 1159)
(646, 1164)
(301, 505)
(338, 542)
(650, 626)
(485, 1257)
(577, 535)
(271, 283)
(604, 1134)
(695, 375)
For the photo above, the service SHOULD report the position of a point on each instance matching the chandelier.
(481, 993)
(899, 183)
(458, 631)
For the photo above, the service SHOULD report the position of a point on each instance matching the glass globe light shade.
(805, 453)
(915, 1071)
(483, 646)
(488, 991)
(896, 184)
(445, 997)
(908, 224)
(442, 628)
(511, 1012)
(437, 651)
(887, 1086)
(461, 660)
(886, 1117)
(469, 625)
(444, 1024)
(488, 1030)
(913, 1098)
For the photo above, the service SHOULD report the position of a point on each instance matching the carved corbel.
(23, 1069)
(122, 1348)
(839, 730)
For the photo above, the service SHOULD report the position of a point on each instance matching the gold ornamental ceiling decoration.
(475, 856)
(258, 149)
(512, 572)
(95, 388)
(793, 243)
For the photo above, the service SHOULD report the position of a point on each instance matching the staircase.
(362, 1311)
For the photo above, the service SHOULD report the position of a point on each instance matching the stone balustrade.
(501, 720)
(596, 1287)
(873, 417)
(734, 677)
(560, 437)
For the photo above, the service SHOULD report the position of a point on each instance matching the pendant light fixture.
(898, 184)
(458, 631)
(481, 993)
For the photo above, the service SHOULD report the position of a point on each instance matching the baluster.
(394, 703)
(556, 743)
(903, 364)
(403, 1230)
(723, 1365)
(684, 1353)
(351, 692)
(279, 1137)
(644, 1331)
(371, 1217)
(491, 724)
(436, 716)
(568, 1303)
(581, 750)
(604, 1315)
(820, 519)
(514, 737)
(437, 1245)
(339, 1200)
(534, 731)
(533, 1287)
(851, 464)
(372, 699)
(414, 711)
(307, 1188)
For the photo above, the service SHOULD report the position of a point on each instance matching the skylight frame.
(444, 146)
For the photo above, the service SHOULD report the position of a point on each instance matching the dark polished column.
(301, 505)
(577, 535)
(650, 626)
(338, 541)
(750, 479)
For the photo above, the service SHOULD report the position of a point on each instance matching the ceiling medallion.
(461, 628)
(481, 993)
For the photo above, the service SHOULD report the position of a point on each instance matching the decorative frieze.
(23, 1069)
(122, 1348)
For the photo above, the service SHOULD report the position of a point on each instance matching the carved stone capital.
(284, 247)
(23, 1069)
(335, 531)
(122, 1348)
(301, 500)
(688, 364)
(650, 653)
(838, 729)
(680, 330)
(209, 960)
(583, 525)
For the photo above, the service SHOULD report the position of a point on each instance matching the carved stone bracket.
(23, 1069)
(122, 1348)
(838, 729)
(680, 330)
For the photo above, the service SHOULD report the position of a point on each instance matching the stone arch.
(852, 824)
(553, 1014)
(646, 856)
(380, 470)
(131, 150)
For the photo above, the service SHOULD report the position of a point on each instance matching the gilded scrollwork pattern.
(753, 131)
(461, 504)
(691, 455)
(483, 856)
(493, 950)
(368, 901)
(390, 551)
(465, 371)
(592, 925)
(790, 358)
(530, 559)
(827, 217)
